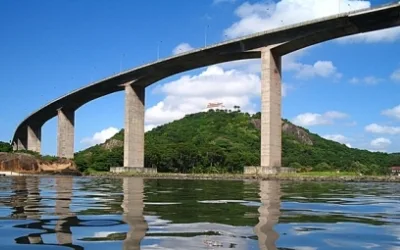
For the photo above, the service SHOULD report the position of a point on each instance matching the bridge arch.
(270, 46)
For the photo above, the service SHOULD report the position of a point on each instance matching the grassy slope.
(221, 141)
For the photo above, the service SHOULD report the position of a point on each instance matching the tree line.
(224, 141)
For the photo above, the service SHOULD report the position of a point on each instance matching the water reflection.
(132, 213)
(27, 201)
(62, 210)
(133, 207)
(270, 197)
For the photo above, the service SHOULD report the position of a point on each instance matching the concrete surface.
(34, 138)
(21, 144)
(255, 170)
(133, 170)
(134, 127)
(65, 133)
(271, 123)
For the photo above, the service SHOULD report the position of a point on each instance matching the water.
(132, 213)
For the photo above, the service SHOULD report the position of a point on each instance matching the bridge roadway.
(269, 45)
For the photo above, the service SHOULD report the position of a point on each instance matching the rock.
(300, 134)
(30, 164)
(112, 143)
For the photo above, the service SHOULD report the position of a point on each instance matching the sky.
(345, 89)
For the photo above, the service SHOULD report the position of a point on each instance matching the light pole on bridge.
(205, 35)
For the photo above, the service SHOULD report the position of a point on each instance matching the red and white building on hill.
(215, 105)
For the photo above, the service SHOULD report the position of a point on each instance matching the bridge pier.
(20, 144)
(271, 123)
(134, 127)
(65, 133)
(34, 138)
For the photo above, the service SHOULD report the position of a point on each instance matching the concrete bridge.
(269, 45)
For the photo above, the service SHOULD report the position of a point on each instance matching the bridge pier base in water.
(65, 133)
(271, 124)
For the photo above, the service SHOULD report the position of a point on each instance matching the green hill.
(220, 141)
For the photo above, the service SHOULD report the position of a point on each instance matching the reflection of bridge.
(270, 196)
(27, 204)
(270, 46)
(29, 210)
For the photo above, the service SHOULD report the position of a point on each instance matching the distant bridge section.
(269, 45)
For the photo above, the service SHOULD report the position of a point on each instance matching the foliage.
(5, 147)
(220, 142)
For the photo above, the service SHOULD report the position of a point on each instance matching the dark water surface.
(132, 213)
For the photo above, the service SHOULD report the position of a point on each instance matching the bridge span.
(269, 45)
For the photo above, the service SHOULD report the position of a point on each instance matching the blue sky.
(345, 89)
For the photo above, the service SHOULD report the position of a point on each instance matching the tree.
(219, 141)
(5, 147)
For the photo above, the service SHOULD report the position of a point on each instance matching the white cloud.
(395, 75)
(313, 119)
(378, 36)
(268, 15)
(354, 80)
(320, 68)
(285, 89)
(323, 69)
(223, 1)
(149, 127)
(100, 137)
(380, 143)
(368, 80)
(290, 63)
(191, 94)
(378, 129)
(182, 48)
(351, 124)
(393, 112)
(337, 137)
(248, 65)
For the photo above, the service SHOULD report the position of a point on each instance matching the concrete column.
(133, 207)
(134, 127)
(270, 197)
(65, 133)
(34, 138)
(21, 144)
(271, 124)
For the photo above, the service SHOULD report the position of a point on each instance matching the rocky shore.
(23, 163)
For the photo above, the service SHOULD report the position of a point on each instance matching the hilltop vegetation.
(5, 147)
(221, 141)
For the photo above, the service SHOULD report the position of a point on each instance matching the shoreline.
(227, 177)
(239, 177)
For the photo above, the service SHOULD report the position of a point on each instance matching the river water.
(132, 213)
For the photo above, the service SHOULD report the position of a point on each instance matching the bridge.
(269, 45)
